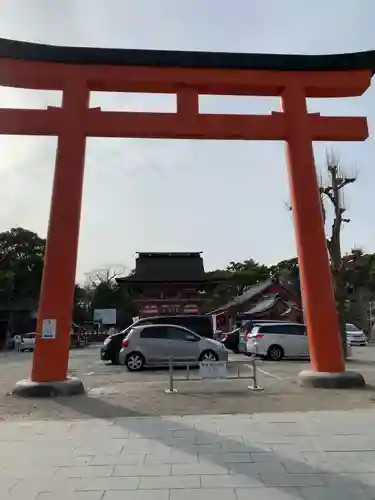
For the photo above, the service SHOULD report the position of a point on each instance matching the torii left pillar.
(51, 354)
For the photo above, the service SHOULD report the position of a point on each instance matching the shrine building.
(168, 283)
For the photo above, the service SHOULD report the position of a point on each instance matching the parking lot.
(113, 391)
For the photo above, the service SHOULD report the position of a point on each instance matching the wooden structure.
(77, 71)
(267, 300)
(275, 307)
(168, 283)
(17, 316)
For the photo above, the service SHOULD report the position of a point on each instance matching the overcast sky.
(224, 198)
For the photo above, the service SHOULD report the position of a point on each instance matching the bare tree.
(105, 275)
(101, 280)
(331, 191)
(331, 188)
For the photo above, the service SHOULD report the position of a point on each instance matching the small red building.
(169, 283)
(266, 300)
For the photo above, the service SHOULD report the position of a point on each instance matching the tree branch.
(327, 191)
(344, 181)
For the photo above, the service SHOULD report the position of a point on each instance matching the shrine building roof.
(168, 267)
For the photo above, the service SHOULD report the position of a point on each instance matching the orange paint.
(74, 121)
(315, 274)
(50, 360)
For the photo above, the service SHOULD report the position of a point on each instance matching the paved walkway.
(279, 456)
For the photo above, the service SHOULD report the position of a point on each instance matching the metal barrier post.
(171, 388)
(255, 386)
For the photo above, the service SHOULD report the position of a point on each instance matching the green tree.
(244, 274)
(81, 306)
(287, 274)
(21, 264)
(235, 279)
(103, 292)
(359, 275)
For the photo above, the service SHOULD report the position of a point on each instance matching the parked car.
(246, 328)
(278, 340)
(231, 339)
(28, 342)
(200, 324)
(10, 343)
(155, 345)
(355, 336)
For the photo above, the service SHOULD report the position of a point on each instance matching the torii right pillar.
(326, 353)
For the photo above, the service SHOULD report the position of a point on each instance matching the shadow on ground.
(161, 430)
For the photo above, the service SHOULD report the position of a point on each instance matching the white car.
(28, 342)
(247, 326)
(355, 336)
(278, 340)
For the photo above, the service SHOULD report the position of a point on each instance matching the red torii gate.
(77, 71)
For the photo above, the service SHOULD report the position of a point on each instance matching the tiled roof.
(264, 305)
(251, 292)
(168, 267)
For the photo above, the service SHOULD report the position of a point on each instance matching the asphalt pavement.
(113, 391)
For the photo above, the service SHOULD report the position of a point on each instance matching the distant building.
(265, 300)
(17, 316)
(166, 283)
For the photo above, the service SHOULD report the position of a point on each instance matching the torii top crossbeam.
(186, 74)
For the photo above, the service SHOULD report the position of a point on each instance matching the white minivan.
(278, 340)
(355, 336)
(247, 326)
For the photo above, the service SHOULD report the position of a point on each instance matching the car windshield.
(352, 328)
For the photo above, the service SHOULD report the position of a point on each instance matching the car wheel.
(275, 353)
(208, 356)
(134, 361)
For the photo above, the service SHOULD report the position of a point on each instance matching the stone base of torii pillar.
(328, 380)
(30, 389)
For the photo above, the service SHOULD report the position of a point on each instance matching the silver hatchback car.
(155, 345)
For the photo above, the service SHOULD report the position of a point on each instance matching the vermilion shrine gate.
(77, 71)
